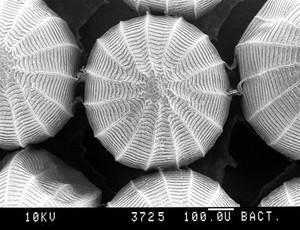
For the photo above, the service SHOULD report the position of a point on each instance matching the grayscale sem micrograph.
(136, 103)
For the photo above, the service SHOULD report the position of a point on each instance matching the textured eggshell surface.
(36, 178)
(268, 56)
(184, 188)
(188, 9)
(38, 58)
(155, 92)
(285, 195)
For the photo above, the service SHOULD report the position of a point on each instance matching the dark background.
(240, 161)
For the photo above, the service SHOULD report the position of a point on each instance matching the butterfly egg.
(177, 188)
(38, 56)
(155, 92)
(36, 178)
(189, 9)
(285, 195)
(268, 56)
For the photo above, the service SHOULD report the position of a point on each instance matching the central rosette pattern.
(6, 64)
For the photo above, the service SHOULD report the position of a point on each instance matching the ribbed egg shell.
(155, 92)
(287, 194)
(38, 55)
(178, 188)
(36, 178)
(268, 56)
(189, 9)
